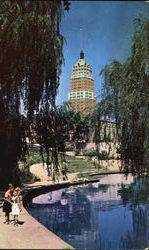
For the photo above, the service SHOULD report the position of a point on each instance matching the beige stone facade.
(82, 97)
(107, 130)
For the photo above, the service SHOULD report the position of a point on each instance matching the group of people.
(12, 204)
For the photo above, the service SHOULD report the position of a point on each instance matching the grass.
(79, 165)
(26, 176)
(83, 167)
(34, 156)
(74, 164)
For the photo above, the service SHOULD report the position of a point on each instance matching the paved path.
(41, 172)
(30, 235)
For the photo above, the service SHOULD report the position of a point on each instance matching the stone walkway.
(30, 235)
(41, 172)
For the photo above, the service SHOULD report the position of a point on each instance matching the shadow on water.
(98, 215)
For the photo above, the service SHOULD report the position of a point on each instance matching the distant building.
(82, 97)
(107, 130)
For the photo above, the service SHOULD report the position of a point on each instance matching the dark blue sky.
(107, 32)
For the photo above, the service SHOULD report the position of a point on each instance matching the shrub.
(103, 155)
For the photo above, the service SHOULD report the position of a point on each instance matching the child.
(8, 203)
(16, 206)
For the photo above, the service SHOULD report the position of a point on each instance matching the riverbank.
(80, 168)
(31, 234)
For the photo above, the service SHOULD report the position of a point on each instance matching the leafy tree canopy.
(30, 61)
(126, 92)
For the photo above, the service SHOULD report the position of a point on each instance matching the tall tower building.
(82, 97)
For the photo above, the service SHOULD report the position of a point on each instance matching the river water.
(110, 214)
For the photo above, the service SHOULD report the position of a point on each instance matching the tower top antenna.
(81, 37)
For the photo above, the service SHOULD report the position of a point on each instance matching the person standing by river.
(16, 206)
(8, 203)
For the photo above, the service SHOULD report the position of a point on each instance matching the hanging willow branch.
(30, 62)
(127, 86)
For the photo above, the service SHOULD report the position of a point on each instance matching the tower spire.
(81, 42)
(81, 37)
(81, 54)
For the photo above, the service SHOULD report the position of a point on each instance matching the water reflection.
(111, 214)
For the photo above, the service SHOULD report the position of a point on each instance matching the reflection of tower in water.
(105, 194)
(96, 217)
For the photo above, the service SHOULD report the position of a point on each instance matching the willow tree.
(55, 130)
(127, 86)
(30, 62)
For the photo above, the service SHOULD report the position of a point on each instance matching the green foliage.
(90, 152)
(30, 61)
(136, 191)
(26, 176)
(33, 159)
(103, 155)
(79, 165)
(77, 152)
(34, 156)
(53, 129)
(126, 92)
